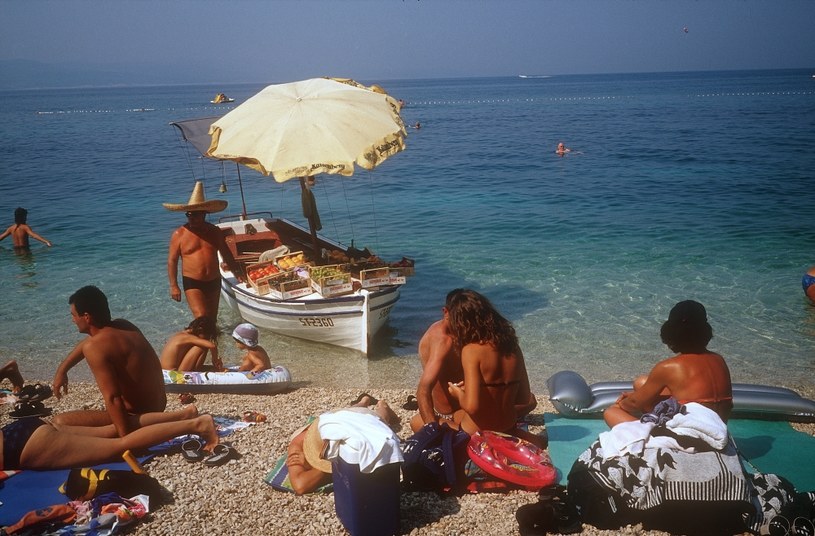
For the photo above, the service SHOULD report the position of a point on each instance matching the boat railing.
(245, 216)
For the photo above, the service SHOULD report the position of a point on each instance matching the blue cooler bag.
(367, 504)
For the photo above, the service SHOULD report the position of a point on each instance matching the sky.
(246, 41)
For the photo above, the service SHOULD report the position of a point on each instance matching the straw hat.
(197, 202)
(313, 446)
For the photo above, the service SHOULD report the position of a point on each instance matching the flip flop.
(29, 409)
(220, 455)
(34, 393)
(192, 450)
(360, 397)
(411, 404)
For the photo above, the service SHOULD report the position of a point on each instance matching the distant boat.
(534, 76)
(220, 98)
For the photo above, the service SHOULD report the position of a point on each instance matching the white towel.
(360, 438)
(625, 438)
(702, 423)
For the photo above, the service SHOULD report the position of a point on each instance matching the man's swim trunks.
(15, 436)
(807, 281)
(204, 286)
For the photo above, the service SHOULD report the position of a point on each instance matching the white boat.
(350, 319)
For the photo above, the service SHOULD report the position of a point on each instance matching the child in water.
(246, 338)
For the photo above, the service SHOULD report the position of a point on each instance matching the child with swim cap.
(246, 338)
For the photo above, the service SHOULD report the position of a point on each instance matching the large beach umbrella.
(299, 129)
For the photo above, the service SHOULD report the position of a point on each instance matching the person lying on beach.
(20, 231)
(187, 349)
(694, 375)
(124, 364)
(495, 392)
(441, 365)
(255, 359)
(307, 471)
(32, 443)
(11, 372)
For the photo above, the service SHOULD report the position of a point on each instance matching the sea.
(691, 185)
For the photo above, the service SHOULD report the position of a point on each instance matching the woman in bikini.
(32, 443)
(694, 375)
(495, 392)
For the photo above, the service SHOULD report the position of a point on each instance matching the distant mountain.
(24, 74)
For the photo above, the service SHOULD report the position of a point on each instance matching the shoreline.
(234, 499)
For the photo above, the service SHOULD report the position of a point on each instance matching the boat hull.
(349, 321)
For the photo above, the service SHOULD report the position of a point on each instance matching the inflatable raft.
(573, 397)
(270, 381)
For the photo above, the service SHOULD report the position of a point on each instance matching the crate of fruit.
(406, 267)
(290, 261)
(258, 274)
(288, 285)
(375, 277)
(331, 280)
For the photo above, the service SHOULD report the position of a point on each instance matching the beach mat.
(29, 490)
(771, 446)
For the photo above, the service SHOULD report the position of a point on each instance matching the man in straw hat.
(197, 244)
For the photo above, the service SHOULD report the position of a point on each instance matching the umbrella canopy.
(313, 126)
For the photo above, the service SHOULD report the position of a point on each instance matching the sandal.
(412, 404)
(253, 416)
(34, 393)
(29, 409)
(220, 455)
(192, 450)
(360, 397)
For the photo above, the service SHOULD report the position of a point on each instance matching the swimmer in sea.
(808, 283)
(20, 231)
(562, 149)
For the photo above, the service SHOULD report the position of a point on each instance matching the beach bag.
(434, 459)
(596, 503)
(85, 483)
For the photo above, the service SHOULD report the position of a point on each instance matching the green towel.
(771, 446)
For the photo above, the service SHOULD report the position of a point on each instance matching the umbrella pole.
(310, 217)
(240, 185)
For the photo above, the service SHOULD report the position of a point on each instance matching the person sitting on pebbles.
(11, 372)
(256, 359)
(187, 349)
(307, 470)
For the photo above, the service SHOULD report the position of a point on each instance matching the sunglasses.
(191, 214)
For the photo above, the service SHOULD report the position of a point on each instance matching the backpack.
(435, 458)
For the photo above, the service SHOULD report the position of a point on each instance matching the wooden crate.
(331, 280)
(260, 284)
(375, 277)
(283, 286)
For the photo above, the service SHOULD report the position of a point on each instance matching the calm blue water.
(679, 186)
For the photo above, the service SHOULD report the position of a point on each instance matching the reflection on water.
(25, 260)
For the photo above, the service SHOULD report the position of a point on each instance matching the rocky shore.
(233, 498)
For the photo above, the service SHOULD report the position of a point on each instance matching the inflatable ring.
(574, 398)
(512, 459)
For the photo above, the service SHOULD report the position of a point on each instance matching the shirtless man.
(11, 372)
(187, 349)
(695, 375)
(20, 231)
(125, 366)
(197, 244)
(441, 365)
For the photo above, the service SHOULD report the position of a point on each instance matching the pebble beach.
(234, 499)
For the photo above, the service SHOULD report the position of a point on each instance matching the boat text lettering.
(312, 322)
(385, 312)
